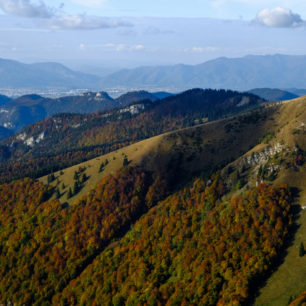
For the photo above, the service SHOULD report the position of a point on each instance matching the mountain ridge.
(273, 94)
(244, 73)
(42, 75)
(17, 113)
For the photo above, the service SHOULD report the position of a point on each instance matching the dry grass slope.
(287, 129)
(290, 277)
(180, 154)
(91, 168)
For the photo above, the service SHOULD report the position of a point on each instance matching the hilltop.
(135, 96)
(273, 95)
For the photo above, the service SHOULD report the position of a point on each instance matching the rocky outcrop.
(261, 157)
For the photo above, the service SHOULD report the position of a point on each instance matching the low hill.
(25, 110)
(270, 94)
(22, 112)
(4, 100)
(162, 94)
(135, 96)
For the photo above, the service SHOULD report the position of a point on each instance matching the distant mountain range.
(299, 92)
(271, 71)
(273, 94)
(274, 71)
(14, 74)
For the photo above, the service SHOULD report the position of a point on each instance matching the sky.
(111, 34)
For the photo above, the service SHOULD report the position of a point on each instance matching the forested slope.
(44, 245)
(150, 234)
(190, 249)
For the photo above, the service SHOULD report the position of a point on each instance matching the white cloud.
(90, 3)
(198, 49)
(279, 17)
(55, 19)
(84, 22)
(137, 47)
(123, 47)
(24, 8)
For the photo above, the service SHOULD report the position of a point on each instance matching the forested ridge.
(191, 248)
(68, 139)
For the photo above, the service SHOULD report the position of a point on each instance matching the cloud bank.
(279, 18)
(199, 49)
(84, 22)
(24, 8)
(123, 47)
(90, 3)
(55, 19)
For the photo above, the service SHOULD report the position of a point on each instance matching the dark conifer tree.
(302, 250)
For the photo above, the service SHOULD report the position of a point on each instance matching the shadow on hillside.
(260, 282)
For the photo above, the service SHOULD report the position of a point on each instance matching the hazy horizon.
(114, 34)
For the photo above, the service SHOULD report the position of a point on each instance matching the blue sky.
(128, 33)
(226, 9)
